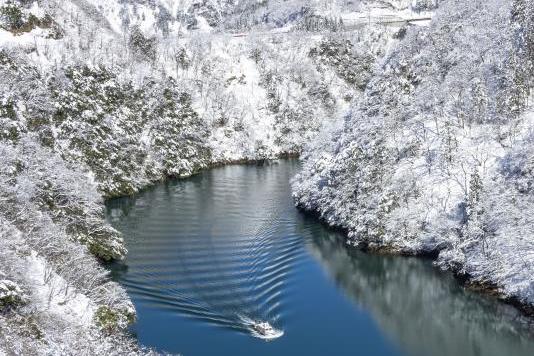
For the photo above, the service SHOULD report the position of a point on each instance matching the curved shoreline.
(464, 280)
(211, 165)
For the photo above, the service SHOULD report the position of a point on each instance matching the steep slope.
(434, 158)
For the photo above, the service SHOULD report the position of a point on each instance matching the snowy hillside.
(412, 118)
(435, 157)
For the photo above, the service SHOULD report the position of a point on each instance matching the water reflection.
(424, 309)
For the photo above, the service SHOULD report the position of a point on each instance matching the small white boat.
(261, 329)
(264, 330)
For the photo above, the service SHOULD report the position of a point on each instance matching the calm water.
(227, 245)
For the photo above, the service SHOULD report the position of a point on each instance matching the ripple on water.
(228, 248)
(202, 252)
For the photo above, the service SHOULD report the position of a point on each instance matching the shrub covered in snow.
(11, 294)
(355, 68)
(17, 18)
(110, 320)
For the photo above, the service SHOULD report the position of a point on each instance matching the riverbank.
(463, 279)
(444, 175)
(468, 282)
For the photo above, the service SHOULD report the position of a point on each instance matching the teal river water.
(207, 252)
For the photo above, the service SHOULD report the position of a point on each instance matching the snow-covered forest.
(436, 156)
(411, 117)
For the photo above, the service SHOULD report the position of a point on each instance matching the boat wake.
(229, 270)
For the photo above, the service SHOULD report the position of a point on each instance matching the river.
(210, 253)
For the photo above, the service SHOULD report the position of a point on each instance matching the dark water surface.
(208, 252)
